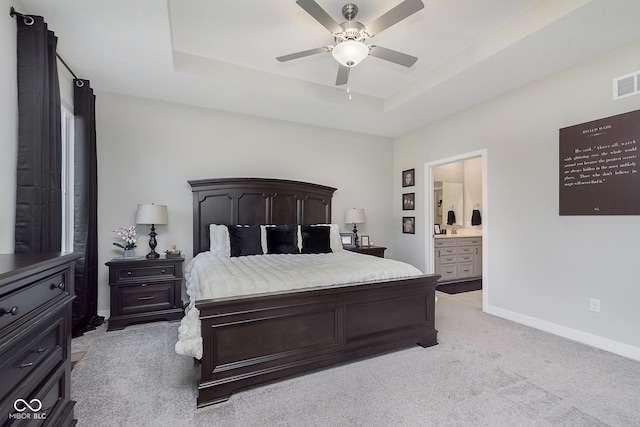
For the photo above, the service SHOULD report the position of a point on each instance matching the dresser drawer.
(42, 345)
(52, 394)
(465, 269)
(124, 274)
(469, 241)
(448, 259)
(449, 271)
(465, 258)
(443, 243)
(448, 251)
(43, 406)
(466, 250)
(143, 298)
(22, 301)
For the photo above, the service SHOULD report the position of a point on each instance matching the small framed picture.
(408, 201)
(409, 224)
(347, 239)
(409, 178)
(364, 241)
(436, 229)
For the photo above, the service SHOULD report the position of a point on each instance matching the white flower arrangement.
(130, 237)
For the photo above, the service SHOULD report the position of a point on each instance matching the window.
(67, 180)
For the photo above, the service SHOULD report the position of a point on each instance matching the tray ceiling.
(221, 55)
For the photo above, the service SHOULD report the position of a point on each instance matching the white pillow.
(263, 238)
(219, 240)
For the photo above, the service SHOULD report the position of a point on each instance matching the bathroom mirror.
(452, 204)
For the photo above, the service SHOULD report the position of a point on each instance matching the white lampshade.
(152, 214)
(354, 216)
(350, 53)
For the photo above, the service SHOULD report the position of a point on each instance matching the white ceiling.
(221, 54)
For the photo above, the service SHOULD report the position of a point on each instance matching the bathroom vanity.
(458, 258)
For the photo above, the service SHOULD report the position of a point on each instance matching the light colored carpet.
(486, 371)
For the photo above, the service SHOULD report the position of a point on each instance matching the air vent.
(626, 85)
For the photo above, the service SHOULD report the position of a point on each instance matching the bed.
(251, 339)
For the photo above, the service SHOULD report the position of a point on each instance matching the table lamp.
(355, 216)
(152, 214)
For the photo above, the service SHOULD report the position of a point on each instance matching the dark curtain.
(38, 195)
(85, 237)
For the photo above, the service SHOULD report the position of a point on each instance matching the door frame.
(430, 220)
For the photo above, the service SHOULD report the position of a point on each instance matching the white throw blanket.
(209, 276)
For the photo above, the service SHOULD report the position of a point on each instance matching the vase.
(129, 253)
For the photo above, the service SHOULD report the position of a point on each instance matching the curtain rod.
(14, 13)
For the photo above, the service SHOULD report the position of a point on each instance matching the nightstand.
(368, 250)
(144, 290)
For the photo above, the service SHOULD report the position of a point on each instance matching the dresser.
(144, 290)
(458, 258)
(368, 250)
(36, 291)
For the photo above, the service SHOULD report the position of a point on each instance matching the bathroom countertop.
(466, 233)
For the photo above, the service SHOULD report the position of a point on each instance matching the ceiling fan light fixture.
(350, 53)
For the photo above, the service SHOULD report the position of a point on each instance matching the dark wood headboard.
(249, 201)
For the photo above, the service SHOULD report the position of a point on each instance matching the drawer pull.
(145, 298)
(129, 273)
(58, 286)
(13, 311)
(163, 271)
(30, 364)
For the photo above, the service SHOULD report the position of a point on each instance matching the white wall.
(8, 125)
(147, 150)
(541, 268)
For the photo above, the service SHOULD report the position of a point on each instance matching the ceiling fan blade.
(302, 54)
(320, 15)
(393, 56)
(343, 75)
(395, 15)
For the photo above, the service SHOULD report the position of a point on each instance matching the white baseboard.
(606, 344)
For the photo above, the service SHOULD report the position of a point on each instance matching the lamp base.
(355, 236)
(152, 244)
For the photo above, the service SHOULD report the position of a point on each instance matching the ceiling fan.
(350, 36)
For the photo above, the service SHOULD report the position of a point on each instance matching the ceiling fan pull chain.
(349, 82)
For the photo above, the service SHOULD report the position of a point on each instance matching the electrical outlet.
(594, 305)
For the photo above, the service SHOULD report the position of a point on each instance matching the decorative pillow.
(282, 239)
(245, 240)
(219, 240)
(315, 240)
(334, 236)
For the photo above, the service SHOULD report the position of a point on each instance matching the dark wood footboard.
(253, 340)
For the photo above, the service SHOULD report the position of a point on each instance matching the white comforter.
(209, 276)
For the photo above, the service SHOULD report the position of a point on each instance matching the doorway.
(456, 214)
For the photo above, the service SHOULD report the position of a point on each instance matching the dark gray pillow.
(282, 239)
(244, 240)
(315, 240)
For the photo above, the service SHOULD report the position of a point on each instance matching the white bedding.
(210, 276)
